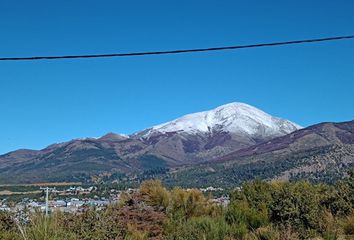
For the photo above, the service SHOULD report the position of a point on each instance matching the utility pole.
(46, 201)
(46, 198)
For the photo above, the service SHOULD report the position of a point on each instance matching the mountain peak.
(114, 137)
(234, 117)
(234, 105)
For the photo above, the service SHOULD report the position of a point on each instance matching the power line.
(178, 51)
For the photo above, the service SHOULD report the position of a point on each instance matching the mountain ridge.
(177, 145)
(322, 153)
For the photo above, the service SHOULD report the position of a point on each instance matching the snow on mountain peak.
(233, 117)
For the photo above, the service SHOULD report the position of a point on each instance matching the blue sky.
(44, 102)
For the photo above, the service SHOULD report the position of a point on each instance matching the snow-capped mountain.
(191, 139)
(236, 118)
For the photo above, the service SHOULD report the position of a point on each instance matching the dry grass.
(7, 192)
(43, 184)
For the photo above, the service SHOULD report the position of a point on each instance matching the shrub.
(240, 213)
(155, 194)
(187, 204)
(134, 234)
(203, 228)
(267, 233)
(348, 225)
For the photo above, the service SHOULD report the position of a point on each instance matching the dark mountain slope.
(322, 152)
(316, 136)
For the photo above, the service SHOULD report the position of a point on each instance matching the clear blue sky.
(44, 102)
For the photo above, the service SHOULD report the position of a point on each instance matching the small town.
(71, 199)
(76, 198)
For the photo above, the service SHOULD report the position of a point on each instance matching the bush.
(240, 213)
(187, 204)
(267, 233)
(155, 194)
(348, 225)
(134, 234)
(297, 205)
(8, 227)
(204, 228)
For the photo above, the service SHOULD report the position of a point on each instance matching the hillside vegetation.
(259, 210)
